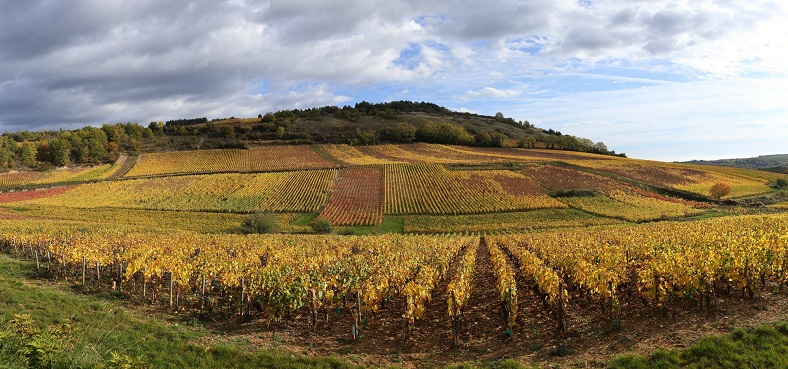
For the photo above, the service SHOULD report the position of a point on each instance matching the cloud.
(488, 93)
(677, 121)
(95, 61)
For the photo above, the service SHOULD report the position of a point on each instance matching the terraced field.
(402, 179)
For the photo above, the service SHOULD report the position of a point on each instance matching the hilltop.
(773, 163)
(362, 124)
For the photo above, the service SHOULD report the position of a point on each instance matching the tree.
(719, 190)
(27, 154)
(781, 183)
(59, 150)
(398, 132)
(483, 139)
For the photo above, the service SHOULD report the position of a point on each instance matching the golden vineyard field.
(663, 263)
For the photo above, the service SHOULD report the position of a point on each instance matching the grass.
(101, 329)
(764, 346)
(390, 224)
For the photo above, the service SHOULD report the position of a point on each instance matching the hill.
(773, 163)
(362, 124)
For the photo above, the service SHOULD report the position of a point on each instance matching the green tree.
(59, 151)
(483, 139)
(398, 132)
(97, 153)
(27, 154)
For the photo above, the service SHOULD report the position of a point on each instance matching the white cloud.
(680, 121)
(488, 93)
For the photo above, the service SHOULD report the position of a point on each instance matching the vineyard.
(261, 159)
(610, 198)
(357, 279)
(58, 177)
(431, 189)
(301, 191)
(357, 198)
(692, 179)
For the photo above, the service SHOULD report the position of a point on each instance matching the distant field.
(59, 176)
(402, 179)
(431, 189)
(357, 197)
(610, 198)
(261, 159)
(301, 191)
(695, 179)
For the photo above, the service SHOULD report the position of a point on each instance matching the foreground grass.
(759, 347)
(100, 331)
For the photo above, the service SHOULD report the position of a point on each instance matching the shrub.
(259, 224)
(321, 225)
(781, 183)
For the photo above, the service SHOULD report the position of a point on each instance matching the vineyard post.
(243, 296)
(510, 299)
(614, 313)
(202, 295)
(49, 260)
(84, 269)
(170, 289)
(38, 265)
(313, 309)
(98, 273)
(455, 319)
(656, 291)
(357, 323)
(561, 309)
(64, 266)
(120, 276)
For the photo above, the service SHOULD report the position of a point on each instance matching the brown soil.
(591, 341)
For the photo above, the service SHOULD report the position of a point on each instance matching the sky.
(655, 79)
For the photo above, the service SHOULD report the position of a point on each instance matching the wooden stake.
(171, 289)
(243, 296)
(202, 297)
(455, 320)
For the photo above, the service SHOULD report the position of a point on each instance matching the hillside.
(373, 185)
(362, 124)
(773, 163)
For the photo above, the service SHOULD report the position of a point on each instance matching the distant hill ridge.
(773, 163)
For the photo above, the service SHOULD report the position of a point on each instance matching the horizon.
(663, 80)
